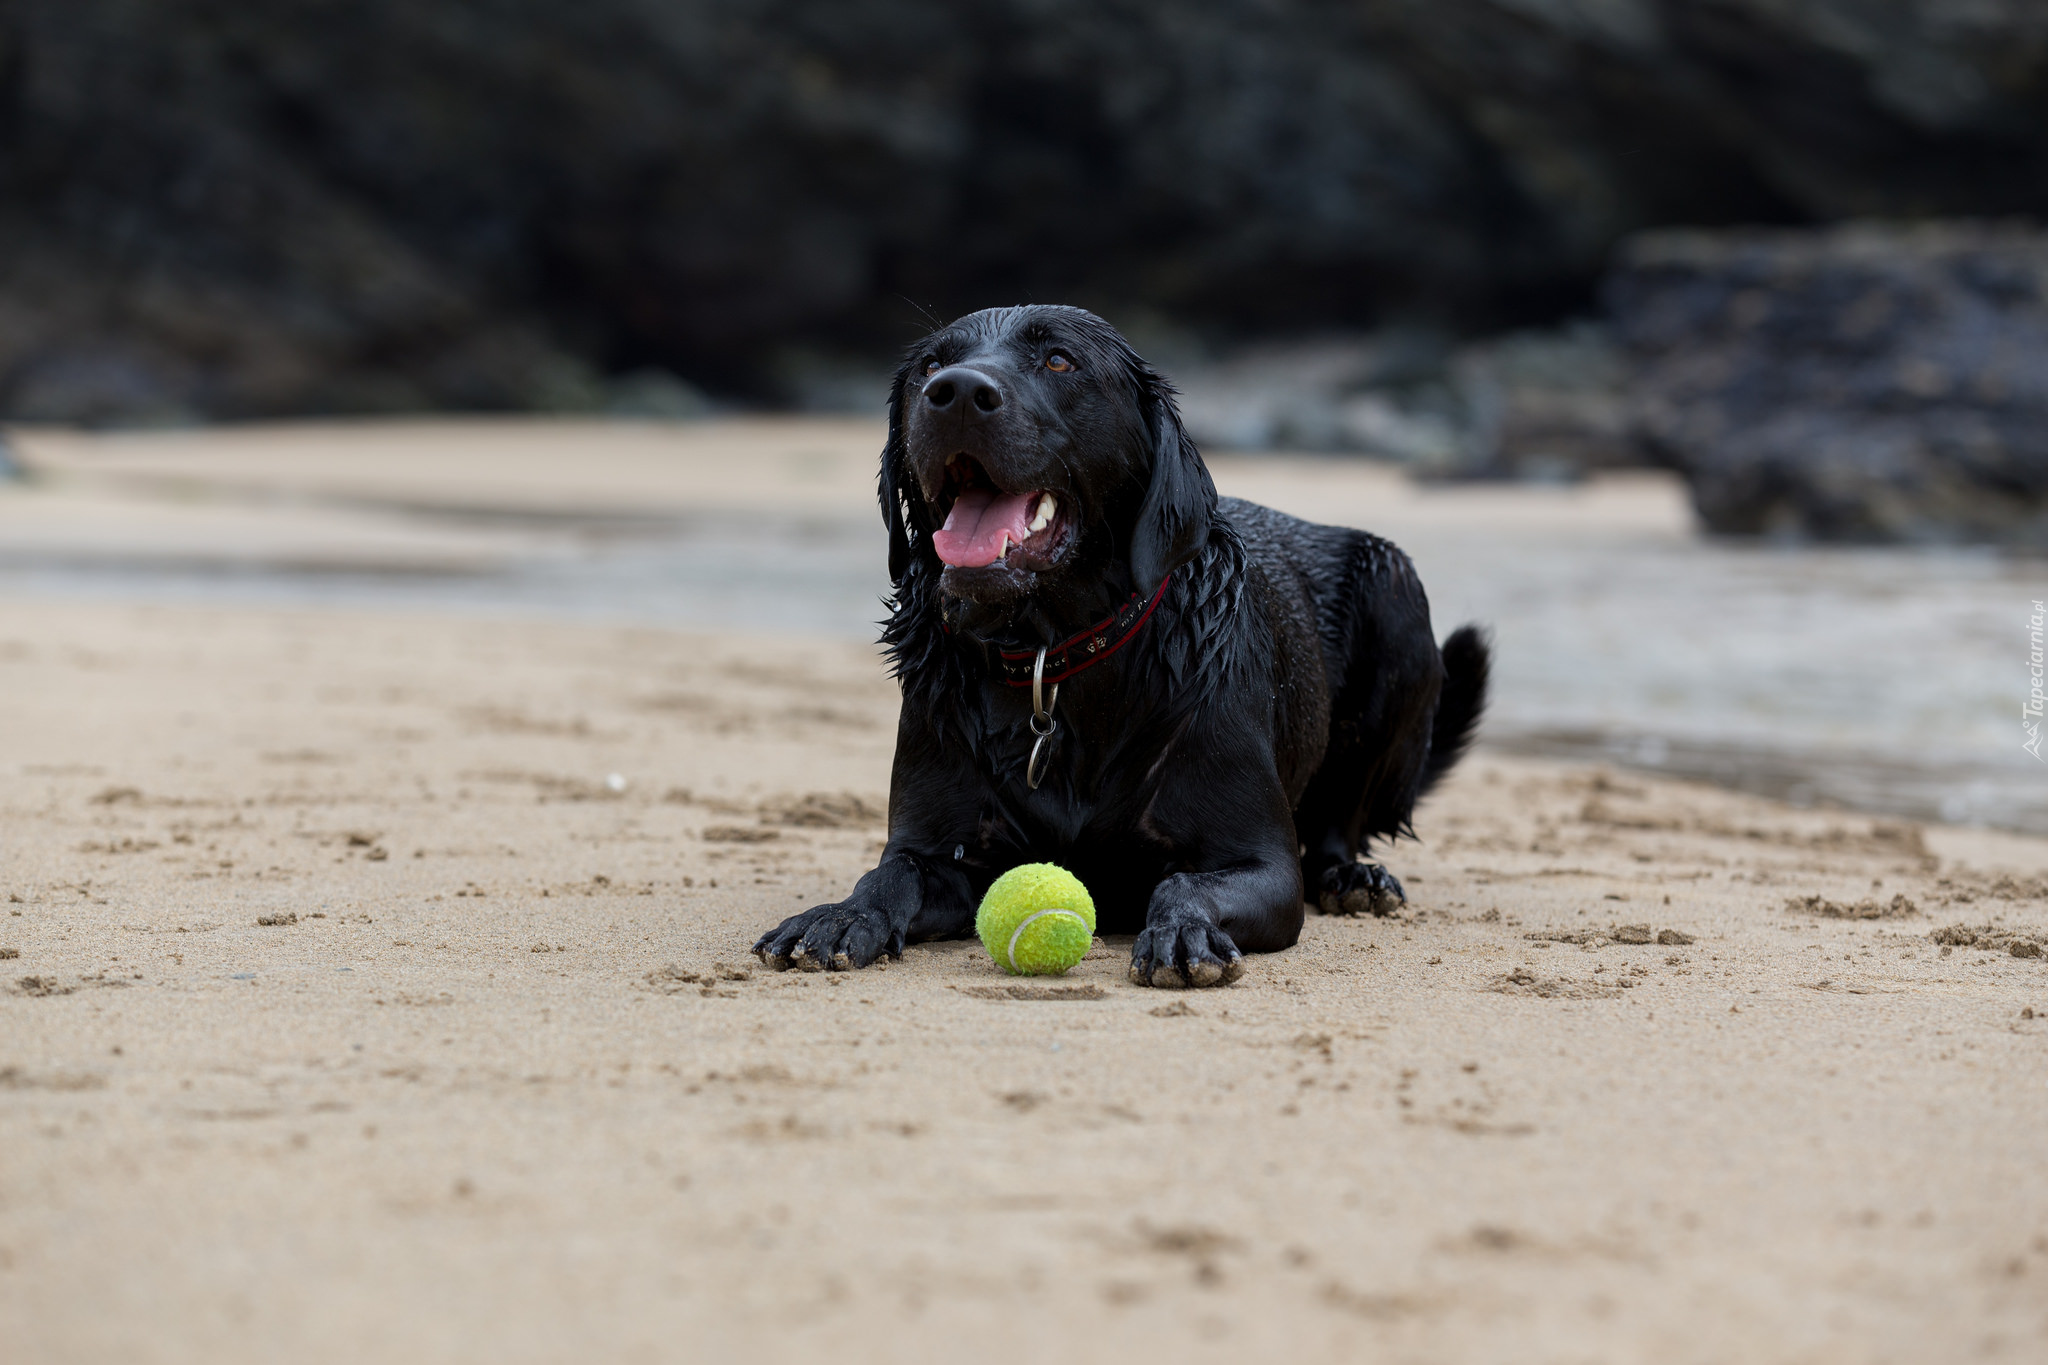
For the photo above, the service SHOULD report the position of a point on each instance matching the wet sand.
(382, 992)
(1873, 679)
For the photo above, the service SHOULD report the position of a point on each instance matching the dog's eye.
(1058, 363)
(931, 365)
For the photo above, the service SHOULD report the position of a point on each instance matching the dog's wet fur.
(1285, 704)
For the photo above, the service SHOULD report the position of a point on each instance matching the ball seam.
(1027, 922)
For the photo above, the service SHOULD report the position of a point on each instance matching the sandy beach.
(376, 986)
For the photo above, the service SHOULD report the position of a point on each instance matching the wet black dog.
(1235, 702)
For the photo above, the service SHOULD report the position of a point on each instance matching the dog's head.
(1033, 456)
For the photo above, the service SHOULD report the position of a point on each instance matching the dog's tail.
(1467, 660)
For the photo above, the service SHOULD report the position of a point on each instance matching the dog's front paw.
(835, 937)
(1360, 889)
(1180, 953)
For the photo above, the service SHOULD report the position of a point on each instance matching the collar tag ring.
(1042, 723)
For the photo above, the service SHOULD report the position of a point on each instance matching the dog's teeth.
(1047, 507)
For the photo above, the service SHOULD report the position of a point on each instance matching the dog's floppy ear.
(900, 496)
(1180, 500)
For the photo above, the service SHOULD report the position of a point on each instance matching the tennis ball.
(1036, 920)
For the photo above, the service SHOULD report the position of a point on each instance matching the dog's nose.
(963, 389)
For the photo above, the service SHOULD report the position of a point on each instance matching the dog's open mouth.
(986, 524)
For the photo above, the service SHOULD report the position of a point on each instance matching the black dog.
(1232, 702)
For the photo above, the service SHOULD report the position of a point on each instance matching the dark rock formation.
(225, 207)
(1864, 383)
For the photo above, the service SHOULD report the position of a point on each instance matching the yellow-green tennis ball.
(1036, 920)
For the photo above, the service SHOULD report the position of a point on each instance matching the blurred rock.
(1542, 404)
(806, 379)
(221, 209)
(1866, 383)
(653, 392)
(1546, 405)
(1384, 395)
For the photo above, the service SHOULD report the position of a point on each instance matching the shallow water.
(1881, 680)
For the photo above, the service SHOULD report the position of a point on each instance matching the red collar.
(1091, 646)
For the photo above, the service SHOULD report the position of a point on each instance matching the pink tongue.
(974, 531)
